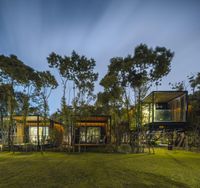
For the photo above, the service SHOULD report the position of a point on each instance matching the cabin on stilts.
(166, 113)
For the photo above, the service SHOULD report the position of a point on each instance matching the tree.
(112, 99)
(195, 82)
(46, 84)
(83, 77)
(194, 110)
(64, 67)
(3, 111)
(13, 72)
(79, 70)
(178, 86)
(22, 82)
(148, 67)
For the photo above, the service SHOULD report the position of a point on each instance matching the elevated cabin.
(37, 130)
(92, 130)
(165, 110)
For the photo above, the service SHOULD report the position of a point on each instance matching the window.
(90, 135)
(43, 133)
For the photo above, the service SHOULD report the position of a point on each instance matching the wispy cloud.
(100, 29)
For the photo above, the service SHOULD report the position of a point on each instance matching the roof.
(33, 120)
(163, 96)
(97, 118)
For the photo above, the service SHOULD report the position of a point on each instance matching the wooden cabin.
(92, 130)
(37, 130)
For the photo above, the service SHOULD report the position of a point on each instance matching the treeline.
(26, 91)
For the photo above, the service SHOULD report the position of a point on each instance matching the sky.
(101, 29)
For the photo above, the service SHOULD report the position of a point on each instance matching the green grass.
(164, 169)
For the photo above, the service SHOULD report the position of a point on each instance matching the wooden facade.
(37, 130)
(92, 130)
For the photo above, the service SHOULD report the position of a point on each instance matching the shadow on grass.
(154, 180)
(120, 179)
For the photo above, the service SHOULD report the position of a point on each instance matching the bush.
(110, 148)
(124, 148)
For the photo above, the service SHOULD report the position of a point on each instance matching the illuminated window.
(43, 133)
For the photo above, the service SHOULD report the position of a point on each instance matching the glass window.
(90, 135)
(43, 133)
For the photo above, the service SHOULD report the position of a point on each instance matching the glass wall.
(162, 112)
(90, 135)
(178, 109)
(171, 111)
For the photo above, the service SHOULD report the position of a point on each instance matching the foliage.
(77, 69)
(110, 148)
(46, 83)
(178, 86)
(14, 73)
(57, 136)
(147, 66)
(194, 115)
(22, 88)
(83, 77)
(124, 148)
(195, 82)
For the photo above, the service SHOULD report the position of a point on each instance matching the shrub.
(124, 148)
(110, 148)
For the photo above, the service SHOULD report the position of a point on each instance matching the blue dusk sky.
(101, 29)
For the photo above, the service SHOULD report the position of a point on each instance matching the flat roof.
(163, 96)
(33, 119)
(97, 118)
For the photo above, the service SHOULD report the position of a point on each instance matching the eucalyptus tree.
(64, 67)
(195, 82)
(178, 86)
(3, 111)
(84, 78)
(194, 110)
(112, 99)
(46, 84)
(13, 73)
(118, 70)
(148, 66)
(78, 70)
(27, 96)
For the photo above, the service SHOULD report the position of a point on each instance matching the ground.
(163, 169)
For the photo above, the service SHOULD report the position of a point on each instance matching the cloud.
(100, 29)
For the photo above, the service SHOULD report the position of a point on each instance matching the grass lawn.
(164, 169)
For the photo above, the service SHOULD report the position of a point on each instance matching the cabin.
(36, 131)
(165, 110)
(92, 130)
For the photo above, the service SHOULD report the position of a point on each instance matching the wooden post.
(153, 102)
(38, 137)
(149, 112)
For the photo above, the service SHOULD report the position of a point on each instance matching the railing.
(163, 116)
(169, 116)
